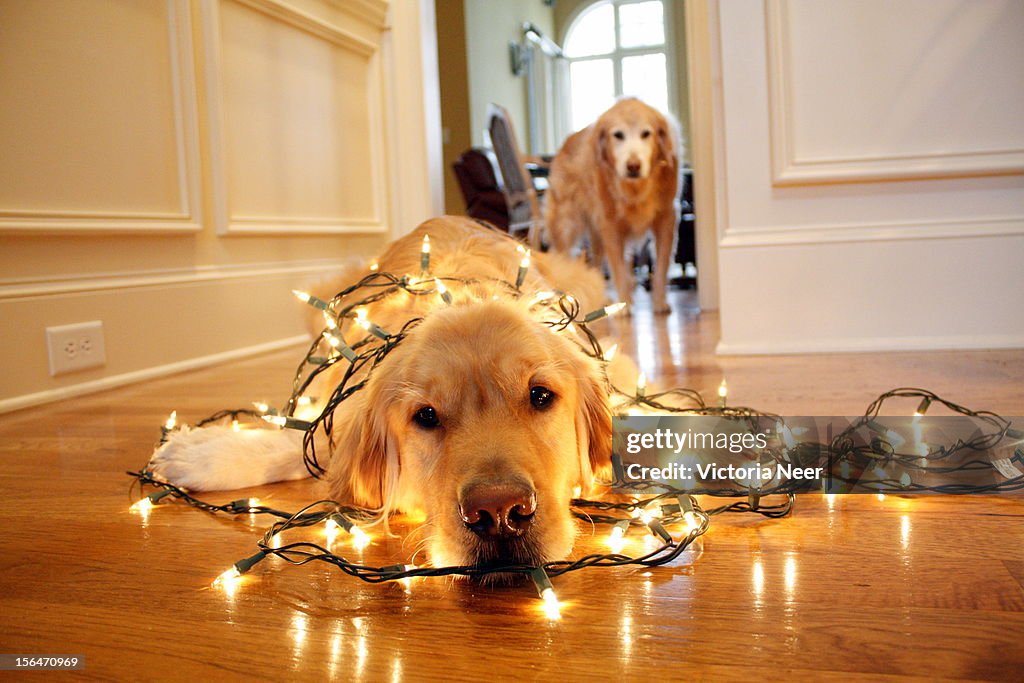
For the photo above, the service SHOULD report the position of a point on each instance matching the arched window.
(615, 48)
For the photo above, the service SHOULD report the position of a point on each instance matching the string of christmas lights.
(664, 508)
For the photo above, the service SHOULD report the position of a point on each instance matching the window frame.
(619, 53)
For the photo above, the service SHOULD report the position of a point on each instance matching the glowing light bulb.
(304, 400)
(609, 354)
(611, 309)
(524, 266)
(691, 520)
(360, 539)
(425, 254)
(279, 420)
(577, 491)
(370, 327)
(614, 308)
(552, 608)
(786, 434)
(260, 406)
(374, 266)
(144, 505)
(307, 298)
(172, 421)
(338, 343)
(407, 581)
(895, 440)
(723, 393)
(648, 515)
(235, 426)
(541, 296)
(254, 503)
(443, 291)
(617, 537)
(641, 385)
(881, 497)
(329, 320)
(228, 579)
(331, 531)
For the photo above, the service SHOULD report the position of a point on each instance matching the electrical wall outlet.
(75, 347)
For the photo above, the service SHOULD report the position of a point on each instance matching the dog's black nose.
(498, 509)
(633, 169)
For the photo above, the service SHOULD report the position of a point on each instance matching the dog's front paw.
(661, 308)
(219, 458)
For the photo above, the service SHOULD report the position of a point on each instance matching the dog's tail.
(220, 458)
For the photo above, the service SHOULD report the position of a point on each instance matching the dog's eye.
(619, 135)
(646, 134)
(427, 418)
(541, 397)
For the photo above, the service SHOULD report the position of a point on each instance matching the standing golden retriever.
(613, 181)
(483, 418)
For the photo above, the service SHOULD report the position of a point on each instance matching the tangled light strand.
(665, 507)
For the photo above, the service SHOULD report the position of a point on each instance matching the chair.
(484, 198)
(517, 184)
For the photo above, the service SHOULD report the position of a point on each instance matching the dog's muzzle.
(498, 510)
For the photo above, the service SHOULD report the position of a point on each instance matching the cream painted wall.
(490, 26)
(173, 168)
(870, 174)
(454, 73)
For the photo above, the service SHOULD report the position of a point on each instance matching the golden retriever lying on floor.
(483, 418)
(612, 181)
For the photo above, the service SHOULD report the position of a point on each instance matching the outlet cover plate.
(75, 347)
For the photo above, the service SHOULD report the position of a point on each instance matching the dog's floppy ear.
(666, 146)
(601, 144)
(593, 426)
(364, 462)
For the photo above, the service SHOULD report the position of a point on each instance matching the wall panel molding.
(766, 236)
(92, 386)
(872, 344)
(188, 217)
(24, 288)
(373, 12)
(230, 222)
(789, 167)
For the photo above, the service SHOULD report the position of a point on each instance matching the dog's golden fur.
(474, 362)
(613, 181)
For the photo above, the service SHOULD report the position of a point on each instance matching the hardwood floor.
(847, 588)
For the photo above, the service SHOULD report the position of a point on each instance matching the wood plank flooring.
(852, 588)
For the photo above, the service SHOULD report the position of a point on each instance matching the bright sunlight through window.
(615, 48)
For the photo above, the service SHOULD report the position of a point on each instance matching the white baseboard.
(871, 344)
(61, 393)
